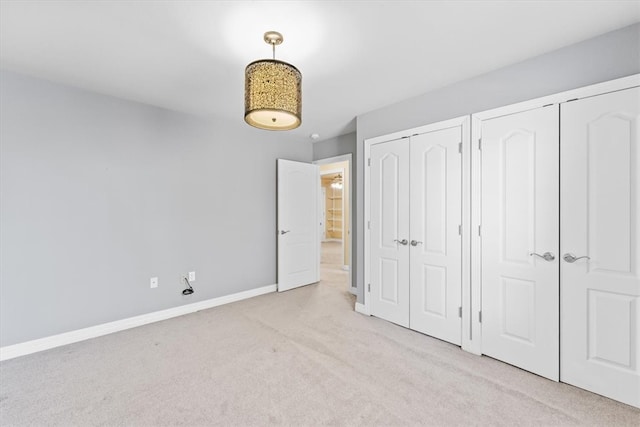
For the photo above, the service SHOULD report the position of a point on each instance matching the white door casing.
(298, 236)
(346, 205)
(600, 218)
(323, 214)
(519, 218)
(389, 247)
(436, 241)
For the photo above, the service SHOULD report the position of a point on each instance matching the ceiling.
(355, 56)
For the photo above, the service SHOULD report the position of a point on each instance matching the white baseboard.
(362, 309)
(345, 267)
(34, 346)
(353, 290)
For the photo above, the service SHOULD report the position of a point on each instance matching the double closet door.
(560, 242)
(415, 197)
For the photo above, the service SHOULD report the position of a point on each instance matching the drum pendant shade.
(273, 92)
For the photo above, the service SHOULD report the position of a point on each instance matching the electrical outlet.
(192, 276)
(153, 283)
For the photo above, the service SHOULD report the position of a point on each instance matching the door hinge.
(480, 316)
(479, 230)
(460, 147)
(460, 312)
(460, 229)
(480, 144)
(369, 161)
(368, 287)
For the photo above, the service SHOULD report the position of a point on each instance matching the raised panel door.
(519, 219)
(600, 225)
(436, 252)
(389, 254)
(298, 236)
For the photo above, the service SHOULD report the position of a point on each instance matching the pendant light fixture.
(337, 182)
(272, 91)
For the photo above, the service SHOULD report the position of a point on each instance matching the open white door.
(601, 244)
(519, 240)
(436, 243)
(389, 199)
(298, 233)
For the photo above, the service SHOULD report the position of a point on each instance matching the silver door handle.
(415, 243)
(547, 256)
(571, 258)
(284, 231)
(402, 242)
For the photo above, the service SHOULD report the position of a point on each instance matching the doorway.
(335, 224)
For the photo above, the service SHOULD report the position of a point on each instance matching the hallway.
(331, 272)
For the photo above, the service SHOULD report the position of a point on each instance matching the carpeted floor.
(303, 357)
(331, 263)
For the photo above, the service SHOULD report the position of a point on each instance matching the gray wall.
(99, 194)
(606, 57)
(338, 146)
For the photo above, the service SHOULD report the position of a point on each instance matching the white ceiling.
(355, 56)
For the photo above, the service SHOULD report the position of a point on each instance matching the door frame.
(463, 121)
(323, 214)
(336, 159)
(342, 221)
(476, 136)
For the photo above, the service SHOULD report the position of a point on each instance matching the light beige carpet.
(303, 357)
(331, 263)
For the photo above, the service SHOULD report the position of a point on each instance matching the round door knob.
(415, 243)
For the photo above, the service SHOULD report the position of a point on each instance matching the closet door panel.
(600, 193)
(436, 198)
(389, 198)
(519, 218)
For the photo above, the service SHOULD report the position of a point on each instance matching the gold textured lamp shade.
(273, 92)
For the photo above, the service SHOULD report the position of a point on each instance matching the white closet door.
(298, 234)
(389, 255)
(436, 210)
(601, 220)
(520, 217)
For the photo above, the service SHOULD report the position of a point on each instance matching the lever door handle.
(415, 243)
(284, 231)
(547, 256)
(402, 242)
(571, 258)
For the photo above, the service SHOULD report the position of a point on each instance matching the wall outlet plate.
(192, 276)
(153, 282)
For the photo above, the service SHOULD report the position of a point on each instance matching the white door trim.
(476, 134)
(336, 159)
(463, 121)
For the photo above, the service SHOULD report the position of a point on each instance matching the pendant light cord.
(273, 45)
